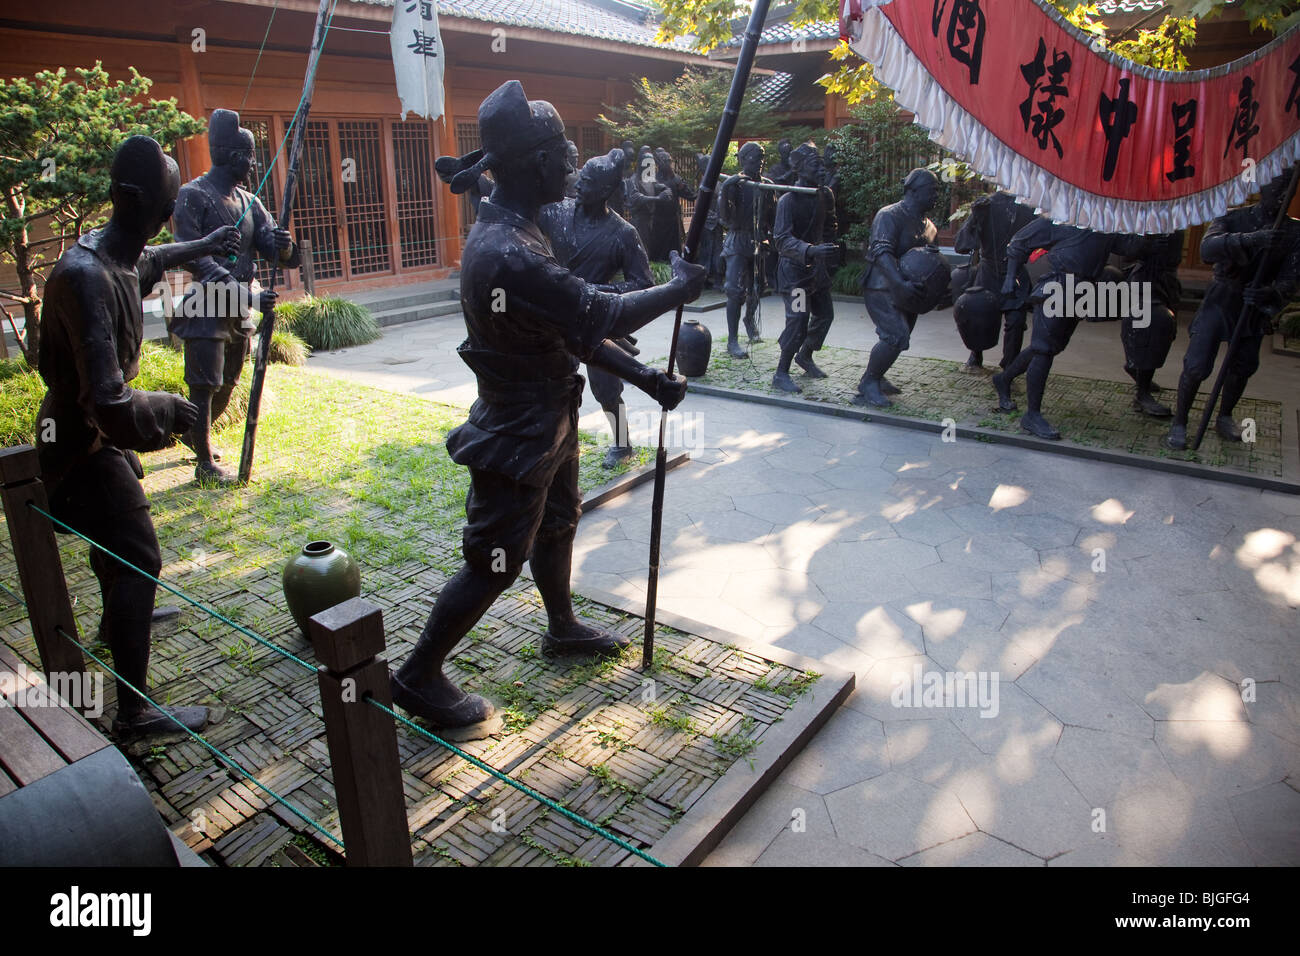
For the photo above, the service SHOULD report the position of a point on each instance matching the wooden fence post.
(362, 739)
(308, 267)
(40, 570)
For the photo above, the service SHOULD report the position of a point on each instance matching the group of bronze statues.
(553, 276)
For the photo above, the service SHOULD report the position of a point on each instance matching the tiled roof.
(785, 33)
(785, 93)
(623, 21)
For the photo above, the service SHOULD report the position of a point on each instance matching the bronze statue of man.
(1235, 244)
(804, 234)
(597, 245)
(1147, 346)
(530, 322)
(993, 221)
(886, 292)
(213, 318)
(667, 234)
(746, 211)
(92, 328)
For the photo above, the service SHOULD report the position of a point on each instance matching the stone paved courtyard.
(629, 750)
(877, 549)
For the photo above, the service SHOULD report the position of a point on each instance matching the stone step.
(415, 313)
(400, 300)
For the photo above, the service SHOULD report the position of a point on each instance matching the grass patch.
(327, 323)
(288, 349)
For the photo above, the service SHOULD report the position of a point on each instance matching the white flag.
(418, 57)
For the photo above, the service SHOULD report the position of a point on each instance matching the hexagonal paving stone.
(731, 526)
(1225, 757)
(860, 478)
(873, 693)
(932, 750)
(981, 649)
(772, 812)
(1269, 819)
(775, 597)
(1081, 699)
(930, 492)
(850, 748)
(989, 552)
(1043, 531)
(874, 629)
(1106, 766)
(977, 849)
(894, 815)
(777, 507)
(930, 526)
(946, 617)
(1179, 827)
(952, 580)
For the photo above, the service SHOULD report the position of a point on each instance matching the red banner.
(1087, 136)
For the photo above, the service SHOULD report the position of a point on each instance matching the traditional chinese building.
(368, 198)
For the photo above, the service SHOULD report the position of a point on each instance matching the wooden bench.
(67, 796)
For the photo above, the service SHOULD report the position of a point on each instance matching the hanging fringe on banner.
(1088, 137)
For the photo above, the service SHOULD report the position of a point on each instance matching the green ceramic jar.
(319, 578)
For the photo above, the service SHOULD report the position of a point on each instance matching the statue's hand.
(184, 414)
(825, 251)
(1261, 297)
(266, 300)
(1009, 284)
(669, 391)
(224, 241)
(1264, 239)
(282, 239)
(690, 273)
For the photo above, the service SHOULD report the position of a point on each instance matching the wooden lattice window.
(264, 153)
(365, 213)
(592, 142)
(467, 140)
(315, 216)
(417, 218)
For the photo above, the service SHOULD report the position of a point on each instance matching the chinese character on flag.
(418, 57)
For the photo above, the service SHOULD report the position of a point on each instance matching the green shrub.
(661, 271)
(288, 349)
(1289, 324)
(327, 323)
(161, 370)
(846, 279)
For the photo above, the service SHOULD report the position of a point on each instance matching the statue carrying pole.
(323, 17)
(727, 125)
(1244, 317)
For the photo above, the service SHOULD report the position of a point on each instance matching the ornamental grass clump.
(327, 323)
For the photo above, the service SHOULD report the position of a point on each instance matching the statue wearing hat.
(804, 234)
(746, 211)
(213, 319)
(530, 322)
(890, 296)
(596, 245)
(89, 354)
(993, 221)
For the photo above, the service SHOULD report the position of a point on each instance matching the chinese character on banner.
(1243, 128)
(1118, 114)
(1184, 116)
(1043, 114)
(418, 57)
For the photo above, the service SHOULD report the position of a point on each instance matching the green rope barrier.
(522, 787)
(6, 589)
(180, 594)
(213, 750)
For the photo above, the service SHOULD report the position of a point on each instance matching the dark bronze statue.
(575, 163)
(1077, 257)
(747, 212)
(666, 233)
(783, 173)
(91, 421)
(641, 190)
(887, 293)
(993, 221)
(1236, 243)
(213, 318)
(596, 245)
(711, 244)
(804, 234)
(530, 322)
(1147, 347)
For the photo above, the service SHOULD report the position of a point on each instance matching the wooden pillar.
(444, 143)
(348, 639)
(194, 149)
(40, 569)
(308, 270)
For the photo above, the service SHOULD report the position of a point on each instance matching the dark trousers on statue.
(807, 327)
(1209, 329)
(740, 290)
(607, 389)
(103, 500)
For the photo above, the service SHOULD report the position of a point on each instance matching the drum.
(927, 264)
(978, 313)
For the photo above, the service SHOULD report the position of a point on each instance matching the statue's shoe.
(1177, 438)
(972, 368)
(1149, 406)
(153, 721)
(594, 640)
(785, 383)
(1039, 426)
(1003, 388)
(1228, 429)
(736, 350)
(616, 455)
(210, 476)
(871, 395)
(809, 367)
(888, 387)
(467, 710)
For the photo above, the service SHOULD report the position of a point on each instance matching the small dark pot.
(693, 345)
(319, 578)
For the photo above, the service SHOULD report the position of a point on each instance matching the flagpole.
(323, 18)
(727, 126)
